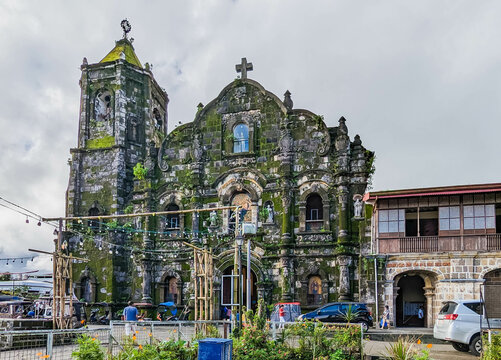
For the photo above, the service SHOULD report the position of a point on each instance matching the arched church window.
(314, 291)
(93, 224)
(170, 290)
(241, 138)
(158, 118)
(102, 105)
(314, 212)
(172, 220)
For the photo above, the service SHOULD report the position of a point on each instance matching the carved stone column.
(393, 305)
(147, 265)
(286, 276)
(147, 278)
(429, 293)
(344, 277)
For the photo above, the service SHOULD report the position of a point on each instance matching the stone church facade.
(301, 180)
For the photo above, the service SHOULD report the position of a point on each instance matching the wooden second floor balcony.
(429, 244)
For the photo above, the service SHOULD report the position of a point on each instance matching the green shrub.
(166, 350)
(89, 348)
(318, 341)
(405, 349)
(492, 350)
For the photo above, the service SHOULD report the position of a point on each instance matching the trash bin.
(215, 349)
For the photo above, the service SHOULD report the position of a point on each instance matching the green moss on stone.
(104, 142)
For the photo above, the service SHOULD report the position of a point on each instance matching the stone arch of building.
(227, 260)
(164, 283)
(488, 270)
(429, 279)
(240, 180)
(320, 189)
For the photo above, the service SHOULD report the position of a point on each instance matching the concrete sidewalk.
(437, 352)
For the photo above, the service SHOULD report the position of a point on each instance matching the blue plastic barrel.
(215, 349)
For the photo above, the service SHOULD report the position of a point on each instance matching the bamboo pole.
(195, 260)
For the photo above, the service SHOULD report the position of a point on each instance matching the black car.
(339, 313)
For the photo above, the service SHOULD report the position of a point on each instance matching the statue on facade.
(213, 218)
(269, 213)
(358, 205)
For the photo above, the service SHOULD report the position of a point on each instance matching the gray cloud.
(419, 81)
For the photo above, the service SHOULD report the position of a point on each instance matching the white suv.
(459, 323)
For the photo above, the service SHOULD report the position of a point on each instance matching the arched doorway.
(410, 299)
(226, 292)
(492, 293)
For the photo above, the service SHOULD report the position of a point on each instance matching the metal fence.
(46, 344)
(59, 344)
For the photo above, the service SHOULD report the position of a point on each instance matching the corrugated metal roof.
(446, 190)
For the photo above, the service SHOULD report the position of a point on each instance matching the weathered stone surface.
(290, 156)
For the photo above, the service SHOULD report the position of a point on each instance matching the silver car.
(459, 323)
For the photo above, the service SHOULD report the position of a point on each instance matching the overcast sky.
(420, 81)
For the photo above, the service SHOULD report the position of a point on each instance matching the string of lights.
(25, 212)
(97, 227)
(19, 260)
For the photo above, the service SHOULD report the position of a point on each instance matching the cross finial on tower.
(125, 27)
(244, 67)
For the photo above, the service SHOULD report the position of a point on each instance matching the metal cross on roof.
(126, 27)
(244, 67)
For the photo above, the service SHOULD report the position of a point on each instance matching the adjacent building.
(433, 245)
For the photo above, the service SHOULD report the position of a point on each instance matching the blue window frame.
(240, 138)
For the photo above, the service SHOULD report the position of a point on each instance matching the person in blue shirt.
(130, 314)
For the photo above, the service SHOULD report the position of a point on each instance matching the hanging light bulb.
(21, 261)
(27, 220)
(55, 231)
(131, 256)
(39, 223)
(116, 251)
(100, 247)
(81, 242)
(32, 259)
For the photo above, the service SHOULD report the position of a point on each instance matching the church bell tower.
(123, 112)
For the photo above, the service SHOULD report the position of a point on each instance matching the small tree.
(140, 171)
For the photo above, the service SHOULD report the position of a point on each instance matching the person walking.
(385, 320)
(420, 314)
(281, 316)
(130, 315)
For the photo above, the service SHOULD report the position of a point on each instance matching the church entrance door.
(226, 296)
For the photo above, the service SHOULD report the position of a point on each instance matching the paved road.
(437, 351)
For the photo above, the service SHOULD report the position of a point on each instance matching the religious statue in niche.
(357, 205)
(213, 218)
(102, 106)
(198, 150)
(269, 213)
